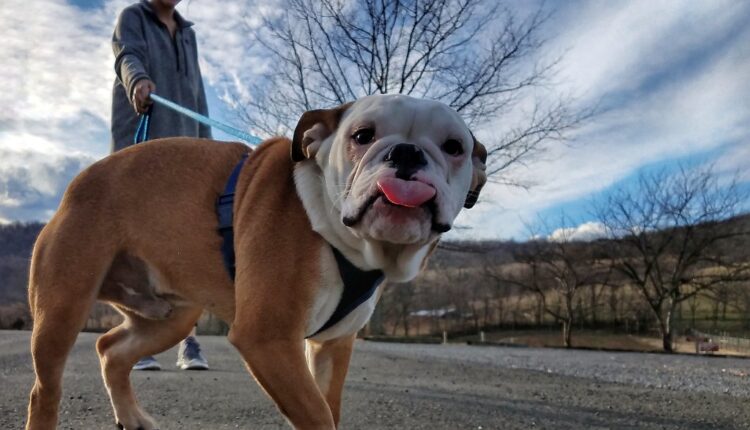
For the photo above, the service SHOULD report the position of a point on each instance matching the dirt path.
(393, 386)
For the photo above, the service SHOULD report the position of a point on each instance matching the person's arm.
(131, 52)
(203, 130)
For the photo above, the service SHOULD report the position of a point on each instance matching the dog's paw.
(121, 427)
(143, 423)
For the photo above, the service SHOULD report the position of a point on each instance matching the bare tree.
(474, 55)
(670, 234)
(498, 290)
(721, 295)
(557, 272)
(397, 305)
(742, 303)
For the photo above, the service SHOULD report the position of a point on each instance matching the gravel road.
(395, 386)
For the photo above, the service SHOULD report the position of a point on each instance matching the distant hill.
(16, 243)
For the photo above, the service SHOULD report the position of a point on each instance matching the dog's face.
(397, 169)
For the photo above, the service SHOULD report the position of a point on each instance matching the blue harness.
(359, 285)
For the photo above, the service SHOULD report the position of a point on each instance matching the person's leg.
(189, 356)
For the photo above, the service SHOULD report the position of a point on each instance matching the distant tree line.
(675, 250)
(16, 242)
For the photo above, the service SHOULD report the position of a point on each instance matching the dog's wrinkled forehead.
(405, 118)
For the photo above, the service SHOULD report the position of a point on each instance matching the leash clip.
(141, 133)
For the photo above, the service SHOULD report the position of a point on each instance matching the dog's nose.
(407, 158)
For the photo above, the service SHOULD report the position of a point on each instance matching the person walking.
(155, 51)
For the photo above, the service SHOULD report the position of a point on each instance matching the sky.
(670, 79)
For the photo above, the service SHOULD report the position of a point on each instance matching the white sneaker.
(189, 356)
(147, 363)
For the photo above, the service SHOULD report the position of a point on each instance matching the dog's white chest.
(327, 299)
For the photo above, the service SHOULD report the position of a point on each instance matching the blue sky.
(670, 77)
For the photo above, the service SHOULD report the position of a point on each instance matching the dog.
(374, 182)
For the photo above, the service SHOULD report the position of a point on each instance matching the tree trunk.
(515, 309)
(405, 321)
(487, 314)
(666, 340)
(567, 328)
(693, 307)
(539, 312)
(594, 303)
(666, 328)
(666, 334)
(715, 321)
(612, 302)
(569, 318)
(375, 325)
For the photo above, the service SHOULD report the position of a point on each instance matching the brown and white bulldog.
(378, 179)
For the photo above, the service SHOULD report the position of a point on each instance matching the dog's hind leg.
(63, 282)
(120, 348)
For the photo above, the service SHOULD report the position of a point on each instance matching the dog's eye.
(363, 136)
(453, 147)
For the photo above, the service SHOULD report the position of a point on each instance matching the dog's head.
(397, 169)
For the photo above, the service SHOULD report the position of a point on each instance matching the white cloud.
(734, 162)
(33, 180)
(57, 89)
(585, 232)
(61, 63)
(616, 46)
(230, 58)
(674, 80)
(56, 95)
(634, 56)
(57, 85)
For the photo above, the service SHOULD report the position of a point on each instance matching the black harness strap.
(224, 208)
(359, 285)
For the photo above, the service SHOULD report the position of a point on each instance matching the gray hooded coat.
(144, 49)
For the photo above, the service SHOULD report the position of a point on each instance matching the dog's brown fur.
(151, 209)
(128, 286)
(138, 230)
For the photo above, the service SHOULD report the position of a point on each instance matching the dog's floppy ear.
(312, 128)
(479, 175)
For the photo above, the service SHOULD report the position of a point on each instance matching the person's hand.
(141, 93)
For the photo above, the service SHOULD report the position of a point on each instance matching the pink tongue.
(405, 193)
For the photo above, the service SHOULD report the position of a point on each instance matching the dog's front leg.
(279, 367)
(329, 362)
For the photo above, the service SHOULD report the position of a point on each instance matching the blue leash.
(141, 133)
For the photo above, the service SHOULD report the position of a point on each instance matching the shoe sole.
(193, 365)
(148, 368)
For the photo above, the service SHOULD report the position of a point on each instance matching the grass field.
(598, 339)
